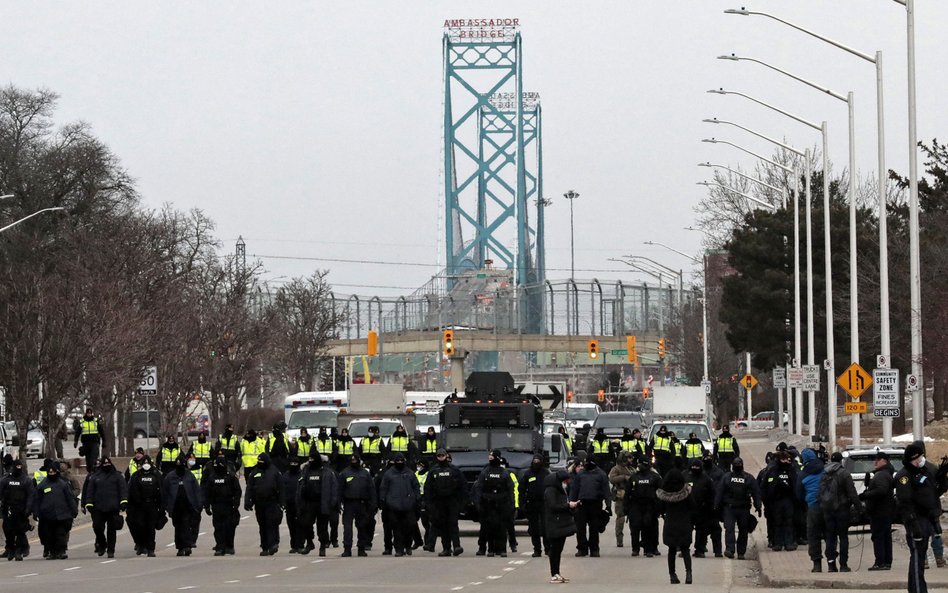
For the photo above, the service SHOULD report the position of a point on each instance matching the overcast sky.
(313, 128)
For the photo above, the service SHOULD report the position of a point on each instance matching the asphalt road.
(84, 572)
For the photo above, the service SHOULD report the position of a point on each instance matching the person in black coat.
(55, 506)
(222, 494)
(265, 496)
(880, 505)
(591, 489)
(144, 507)
(182, 499)
(318, 498)
(558, 519)
(107, 496)
(445, 491)
(358, 495)
(291, 488)
(640, 508)
(705, 521)
(532, 486)
(494, 498)
(399, 493)
(16, 501)
(778, 485)
(737, 492)
(677, 507)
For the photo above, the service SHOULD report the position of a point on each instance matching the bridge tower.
(492, 155)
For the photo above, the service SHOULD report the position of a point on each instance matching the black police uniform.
(16, 500)
(222, 494)
(445, 491)
(108, 494)
(357, 490)
(705, 519)
(737, 492)
(591, 489)
(55, 505)
(291, 486)
(495, 499)
(531, 485)
(181, 496)
(641, 510)
(318, 498)
(144, 509)
(778, 486)
(265, 496)
(399, 493)
(916, 494)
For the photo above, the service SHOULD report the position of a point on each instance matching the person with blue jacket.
(808, 489)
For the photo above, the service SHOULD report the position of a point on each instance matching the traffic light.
(372, 345)
(601, 396)
(645, 393)
(630, 348)
(448, 342)
(593, 349)
(569, 395)
(661, 347)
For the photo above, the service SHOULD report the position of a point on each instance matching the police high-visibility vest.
(422, 478)
(324, 446)
(248, 452)
(629, 445)
(198, 472)
(371, 445)
(133, 467)
(228, 444)
(272, 439)
(694, 450)
(169, 455)
(662, 444)
(399, 444)
(569, 443)
(600, 447)
(90, 427)
(516, 487)
(303, 448)
(38, 476)
(676, 446)
(725, 445)
(431, 446)
(201, 450)
(346, 447)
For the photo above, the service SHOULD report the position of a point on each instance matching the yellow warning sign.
(855, 381)
(749, 381)
(856, 407)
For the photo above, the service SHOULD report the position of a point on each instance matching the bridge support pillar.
(457, 371)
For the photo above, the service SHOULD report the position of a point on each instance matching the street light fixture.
(782, 192)
(25, 218)
(885, 345)
(571, 195)
(772, 207)
(5, 196)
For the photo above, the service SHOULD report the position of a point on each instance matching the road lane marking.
(315, 561)
(509, 568)
(202, 533)
(518, 562)
(245, 517)
(72, 568)
(260, 576)
(289, 568)
(169, 545)
(107, 561)
(495, 576)
(186, 587)
(456, 588)
(29, 574)
(476, 583)
(231, 582)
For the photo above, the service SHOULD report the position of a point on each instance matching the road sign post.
(885, 395)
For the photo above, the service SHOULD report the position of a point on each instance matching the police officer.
(705, 520)
(249, 451)
(726, 449)
(54, 506)
(641, 508)
(40, 474)
(357, 490)
(201, 450)
(429, 444)
(737, 492)
(880, 506)
(107, 496)
(400, 443)
(265, 496)
(291, 490)
(619, 479)
(16, 500)
(90, 433)
(591, 489)
(778, 486)
(916, 493)
(345, 449)
(399, 493)
(599, 449)
(445, 491)
(181, 496)
(222, 494)
(663, 449)
(566, 439)
(325, 445)
(531, 486)
(494, 496)
(168, 455)
(144, 507)
(371, 450)
(135, 463)
(228, 442)
(318, 498)
(694, 448)
(278, 447)
(633, 443)
(302, 446)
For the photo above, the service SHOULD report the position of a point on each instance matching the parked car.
(3, 439)
(861, 463)
(613, 423)
(10, 437)
(35, 442)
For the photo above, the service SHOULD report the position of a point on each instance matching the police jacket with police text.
(445, 482)
(779, 482)
(144, 490)
(222, 490)
(54, 500)
(16, 494)
(642, 488)
(107, 491)
(319, 484)
(494, 486)
(738, 490)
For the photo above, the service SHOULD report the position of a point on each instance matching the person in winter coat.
(445, 491)
(358, 495)
(222, 495)
(917, 495)
(182, 499)
(291, 487)
(880, 506)
(531, 487)
(318, 498)
(399, 493)
(278, 447)
(677, 507)
(838, 499)
(265, 496)
(705, 520)
(600, 449)
(619, 479)
(938, 474)
(590, 489)
(494, 498)
(558, 519)
(640, 508)
(737, 492)
(107, 497)
(808, 490)
(144, 507)
(168, 454)
(778, 485)
(16, 501)
(54, 506)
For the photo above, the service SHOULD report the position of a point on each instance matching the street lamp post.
(571, 195)
(885, 342)
(796, 262)
(25, 218)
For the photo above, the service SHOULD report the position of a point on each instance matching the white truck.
(376, 401)
(311, 410)
(683, 410)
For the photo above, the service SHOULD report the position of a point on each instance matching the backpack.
(828, 496)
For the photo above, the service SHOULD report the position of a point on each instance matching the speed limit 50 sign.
(149, 383)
